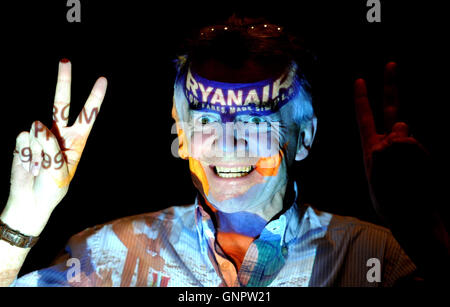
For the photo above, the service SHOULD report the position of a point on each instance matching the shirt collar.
(287, 225)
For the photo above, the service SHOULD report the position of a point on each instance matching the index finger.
(88, 114)
(390, 96)
(61, 104)
(364, 114)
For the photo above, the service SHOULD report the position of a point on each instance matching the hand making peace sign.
(45, 160)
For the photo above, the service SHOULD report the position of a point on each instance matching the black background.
(127, 167)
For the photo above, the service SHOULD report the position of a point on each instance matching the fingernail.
(391, 64)
(64, 60)
(35, 169)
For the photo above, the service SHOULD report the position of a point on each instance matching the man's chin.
(234, 204)
(231, 185)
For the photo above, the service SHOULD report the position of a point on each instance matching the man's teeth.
(244, 169)
(233, 172)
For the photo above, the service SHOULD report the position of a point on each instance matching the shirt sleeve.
(74, 267)
(354, 253)
(399, 268)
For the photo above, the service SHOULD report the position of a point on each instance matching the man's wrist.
(16, 238)
(25, 221)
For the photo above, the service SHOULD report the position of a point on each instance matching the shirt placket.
(265, 256)
(224, 267)
(263, 260)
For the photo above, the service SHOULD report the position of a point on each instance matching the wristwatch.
(16, 238)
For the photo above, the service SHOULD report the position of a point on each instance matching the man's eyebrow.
(200, 112)
(269, 117)
(252, 114)
(196, 114)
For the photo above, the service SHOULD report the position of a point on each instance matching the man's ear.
(306, 138)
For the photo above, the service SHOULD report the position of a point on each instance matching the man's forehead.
(230, 99)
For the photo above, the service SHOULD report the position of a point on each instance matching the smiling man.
(239, 126)
(244, 115)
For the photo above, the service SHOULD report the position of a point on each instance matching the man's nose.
(229, 140)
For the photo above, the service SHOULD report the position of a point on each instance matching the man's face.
(240, 164)
(240, 137)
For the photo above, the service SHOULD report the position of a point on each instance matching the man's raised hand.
(45, 160)
(394, 132)
(402, 183)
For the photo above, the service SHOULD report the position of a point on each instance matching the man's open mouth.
(233, 172)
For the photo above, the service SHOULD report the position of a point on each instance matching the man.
(243, 115)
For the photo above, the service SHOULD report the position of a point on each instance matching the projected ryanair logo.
(263, 97)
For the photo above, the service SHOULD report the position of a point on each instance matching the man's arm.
(44, 163)
(12, 259)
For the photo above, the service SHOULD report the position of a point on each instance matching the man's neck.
(236, 231)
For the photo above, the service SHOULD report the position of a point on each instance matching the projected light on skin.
(235, 160)
(239, 159)
(57, 161)
(55, 153)
(241, 177)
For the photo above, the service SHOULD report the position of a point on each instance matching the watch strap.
(16, 238)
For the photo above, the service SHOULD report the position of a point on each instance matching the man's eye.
(205, 120)
(255, 120)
